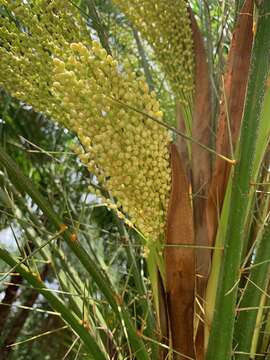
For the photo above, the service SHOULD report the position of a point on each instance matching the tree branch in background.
(9, 297)
(21, 318)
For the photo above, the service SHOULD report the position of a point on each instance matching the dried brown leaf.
(180, 261)
(235, 83)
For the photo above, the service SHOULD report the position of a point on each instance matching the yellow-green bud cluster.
(126, 150)
(165, 24)
(48, 61)
(31, 31)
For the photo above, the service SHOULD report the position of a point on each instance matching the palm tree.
(193, 193)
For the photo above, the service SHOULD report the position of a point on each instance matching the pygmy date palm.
(197, 193)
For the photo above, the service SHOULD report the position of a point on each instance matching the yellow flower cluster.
(165, 24)
(84, 88)
(126, 150)
(31, 32)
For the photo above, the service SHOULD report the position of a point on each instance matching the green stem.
(23, 184)
(255, 286)
(89, 342)
(98, 25)
(140, 287)
(221, 336)
(144, 61)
